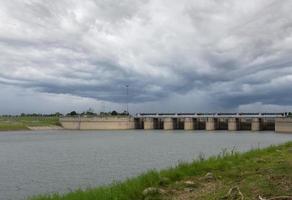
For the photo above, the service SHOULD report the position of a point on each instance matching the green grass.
(5, 126)
(22, 123)
(266, 172)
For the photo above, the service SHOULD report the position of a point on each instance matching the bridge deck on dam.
(214, 115)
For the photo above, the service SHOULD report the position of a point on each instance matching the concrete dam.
(278, 122)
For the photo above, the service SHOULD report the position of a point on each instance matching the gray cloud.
(237, 53)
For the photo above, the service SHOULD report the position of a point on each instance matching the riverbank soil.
(24, 122)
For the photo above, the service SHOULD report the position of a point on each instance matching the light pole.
(127, 99)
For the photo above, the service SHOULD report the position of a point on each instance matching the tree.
(57, 114)
(73, 113)
(90, 111)
(114, 113)
(125, 113)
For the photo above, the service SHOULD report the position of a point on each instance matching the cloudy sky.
(176, 56)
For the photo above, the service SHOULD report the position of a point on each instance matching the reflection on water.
(46, 161)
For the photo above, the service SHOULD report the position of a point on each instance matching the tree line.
(89, 112)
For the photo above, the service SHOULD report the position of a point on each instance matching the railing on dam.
(213, 115)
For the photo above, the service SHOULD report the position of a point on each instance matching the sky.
(175, 56)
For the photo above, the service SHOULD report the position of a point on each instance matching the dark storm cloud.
(236, 52)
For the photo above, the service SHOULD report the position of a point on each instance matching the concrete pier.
(168, 123)
(189, 123)
(283, 125)
(256, 124)
(233, 124)
(211, 124)
(149, 123)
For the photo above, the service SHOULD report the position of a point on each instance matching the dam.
(278, 122)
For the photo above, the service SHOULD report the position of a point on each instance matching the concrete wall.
(98, 123)
(72, 125)
(283, 125)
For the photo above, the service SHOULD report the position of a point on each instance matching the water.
(60, 161)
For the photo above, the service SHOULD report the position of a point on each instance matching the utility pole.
(127, 99)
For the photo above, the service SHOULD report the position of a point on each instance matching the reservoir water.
(41, 162)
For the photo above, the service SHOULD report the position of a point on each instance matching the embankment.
(28, 123)
(265, 173)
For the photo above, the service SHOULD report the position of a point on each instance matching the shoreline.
(45, 128)
(32, 128)
(260, 172)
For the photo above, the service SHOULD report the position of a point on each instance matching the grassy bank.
(266, 173)
(23, 122)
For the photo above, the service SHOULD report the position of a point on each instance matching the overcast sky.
(176, 56)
